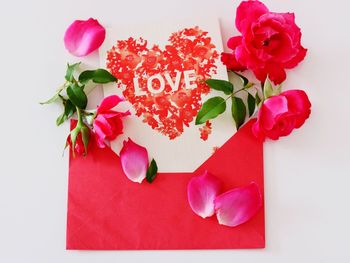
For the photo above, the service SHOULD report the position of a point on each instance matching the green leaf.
(61, 119)
(73, 136)
(268, 90)
(152, 171)
(257, 99)
(100, 76)
(220, 85)
(70, 71)
(211, 109)
(244, 79)
(69, 109)
(85, 134)
(51, 100)
(77, 96)
(251, 104)
(238, 111)
(278, 89)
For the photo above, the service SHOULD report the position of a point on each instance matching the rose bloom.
(280, 114)
(269, 44)
(108, 123)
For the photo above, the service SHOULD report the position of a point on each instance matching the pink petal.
(234, 42)
(99, 135)
(247, 12)
(201, 192)
(299, 104)
(109, 103)
(271, 108)
(297, 59)
(229, 60)
(256, 129)
(134, 160)
(84, 36)
(237, 206)
(102, 129)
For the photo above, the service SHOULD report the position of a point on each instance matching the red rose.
(270, 42)
(279, 115)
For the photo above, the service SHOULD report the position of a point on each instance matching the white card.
(163, 84)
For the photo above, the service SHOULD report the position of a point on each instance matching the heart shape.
(169, 109)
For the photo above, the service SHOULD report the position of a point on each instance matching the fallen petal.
(238, 205)
(201, 192)
(84, 36)
(134, 160)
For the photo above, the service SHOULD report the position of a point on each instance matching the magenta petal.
(248, 12)
(299, 104)
(234, 42)
(201, 192)
(109, 103)
(270, 109)
(134, 160)
(237, 206)
(84, 36)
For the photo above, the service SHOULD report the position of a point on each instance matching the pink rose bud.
(84, 36)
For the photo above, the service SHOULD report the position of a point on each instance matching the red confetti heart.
(149, 77)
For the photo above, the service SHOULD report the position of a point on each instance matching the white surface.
(307, 174)
(171, 155)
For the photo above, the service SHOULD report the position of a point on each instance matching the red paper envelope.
(106, 211)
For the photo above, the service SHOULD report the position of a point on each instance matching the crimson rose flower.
(269, 44)
(280, 114)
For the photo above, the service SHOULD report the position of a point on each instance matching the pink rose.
(270, 41)
(84, 36)
(280, 114)
(108, 123)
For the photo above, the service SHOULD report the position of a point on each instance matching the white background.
(306, 174)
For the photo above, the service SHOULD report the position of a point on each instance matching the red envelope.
(106, 211)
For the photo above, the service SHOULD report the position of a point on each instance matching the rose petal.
(298, 103)
(247, 12)
(256, 129)
(284, 124)
(271, 108)
(229, 60)
(276, 74)
(237, 206)
(102, 129)
(201, 192)
(297, 59)
(109, 103)
(234, 42)
(84, 36)
(134, 160)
